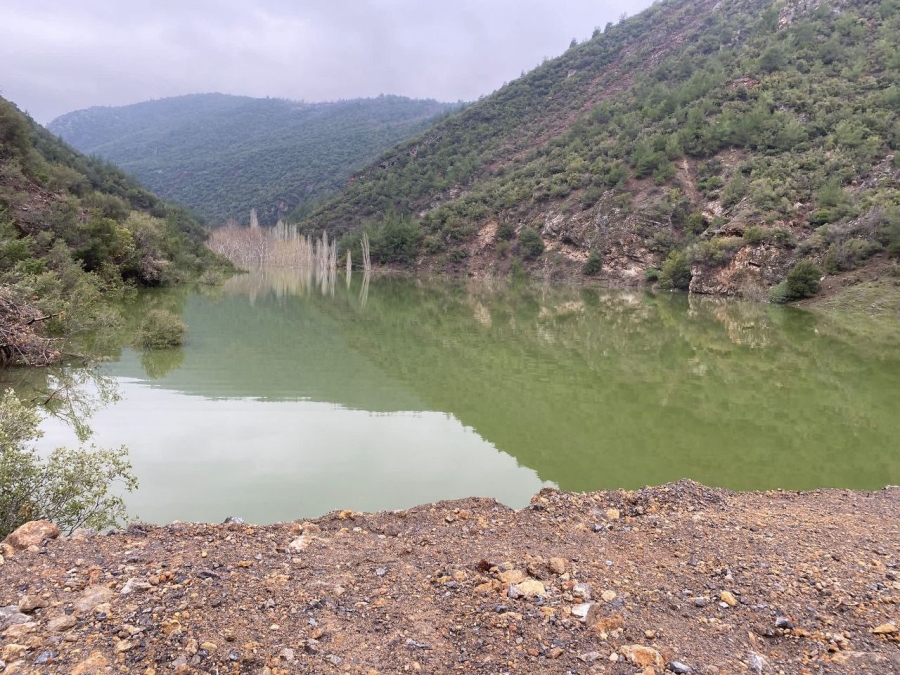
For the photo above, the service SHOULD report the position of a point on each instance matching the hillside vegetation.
(703, 144)
(73, 231)
(223, 155)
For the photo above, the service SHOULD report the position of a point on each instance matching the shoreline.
(674, 577)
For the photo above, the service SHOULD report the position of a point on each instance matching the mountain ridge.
(711, 145)
(222, 155)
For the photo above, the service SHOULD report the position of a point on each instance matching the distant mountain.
(223, 155)
(720, 141)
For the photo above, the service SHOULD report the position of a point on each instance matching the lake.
(290, 398)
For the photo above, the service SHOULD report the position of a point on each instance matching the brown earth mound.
(680, 578)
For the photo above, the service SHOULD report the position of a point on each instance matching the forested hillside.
(223, 155)
(709, 144)
(74, 230)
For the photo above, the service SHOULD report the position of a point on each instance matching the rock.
(11, 615)
(2, 666)
(608, 596)
(29, 603)
(590, 657)
(301, 543)
(559, 566)
(581, 611)
(728, 598)
(885, 629)
(44, 658)
(208, 646)
(642, 656)
(135, 585)
(335, 660)
(92, 597)
(124, 646)
(95, 664)
(679, 667)
(233, 520)
(613, 514)
(288, 655)
(582, 590)
(783, 622)
(13, 652)
(555, 653)
(512, 576)
(757, 663)
(700, 601)
(530, 588)
(82, 534)
(2, 561)
(62, 623)
(607, 624)
(32, 534)
(19, 630)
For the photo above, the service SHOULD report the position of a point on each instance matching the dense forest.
(708, 145)
(73, 231)
(223, 155)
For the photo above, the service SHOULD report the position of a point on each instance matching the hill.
(223, 155)
(74, 229)
(710, 144)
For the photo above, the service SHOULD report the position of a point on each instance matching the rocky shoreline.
(679, 578)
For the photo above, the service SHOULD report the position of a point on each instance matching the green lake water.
(289, 400)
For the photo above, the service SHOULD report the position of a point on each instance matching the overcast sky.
(63, 55)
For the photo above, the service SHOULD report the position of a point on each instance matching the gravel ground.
(679, 578)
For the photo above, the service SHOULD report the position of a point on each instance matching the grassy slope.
(223, 155)
(678, 130)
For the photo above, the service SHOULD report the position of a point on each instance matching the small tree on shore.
(71, 487)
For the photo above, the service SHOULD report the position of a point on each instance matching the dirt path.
(679, 576)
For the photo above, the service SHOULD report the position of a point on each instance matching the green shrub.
(593, 264)
(502, 248)
(718, 251)
(397, 240)
(433, 244)
(70, 487)
(676, 271)
(161, 329)
(754, 235)
(779, 294)
(696, 223)
(651, 275)
(530, 243)
(803, 280)
(506, 231)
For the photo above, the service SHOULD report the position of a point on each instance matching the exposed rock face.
(32, 534)
(753, 267)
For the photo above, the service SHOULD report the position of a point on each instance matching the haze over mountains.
(223, 155)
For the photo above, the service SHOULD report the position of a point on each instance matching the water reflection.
(582, 388)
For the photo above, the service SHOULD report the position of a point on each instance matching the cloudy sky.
(63, 55)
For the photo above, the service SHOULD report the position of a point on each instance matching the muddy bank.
(680, 577)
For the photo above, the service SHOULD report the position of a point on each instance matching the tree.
(530, 243)
(676, 272)
(803, 280)
(70, 488)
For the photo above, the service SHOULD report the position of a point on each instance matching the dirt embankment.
(680, 577)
